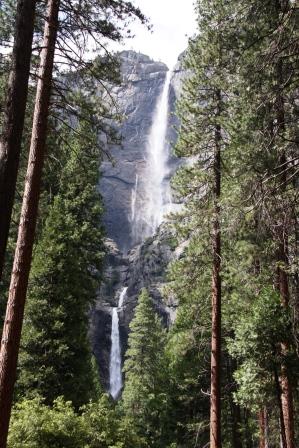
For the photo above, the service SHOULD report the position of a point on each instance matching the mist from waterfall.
(134, 193)
(147, 212)
(115, 354)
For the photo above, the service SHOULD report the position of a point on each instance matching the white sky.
(173, 22)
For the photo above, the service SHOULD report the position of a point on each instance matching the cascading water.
(148, 213)
(115, 354)
(150, 201)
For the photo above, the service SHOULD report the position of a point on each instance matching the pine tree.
(258, 164)
(55, 354)
(188, 350)
(19, 280)
(98, 20)
(23, 254)
(144, 397)
(14, 116)
(203, 136)
(265, 145)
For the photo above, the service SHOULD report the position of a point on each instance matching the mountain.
(142, 82)
(133, 261)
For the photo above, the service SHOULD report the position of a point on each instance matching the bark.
(281, 416)
(287, 406)
(296, 285)
(23, 254)
(14, 115)
(263, 426)
(285, 386)
(215, 405)
(282, 277)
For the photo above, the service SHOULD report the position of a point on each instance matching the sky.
(173, 22)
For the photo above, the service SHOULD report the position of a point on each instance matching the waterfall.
(150, 200)
(148, 215)
(115, 354)
(122, 297)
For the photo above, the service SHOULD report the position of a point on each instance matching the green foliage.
(246, 52)
(257, 346)
(107, 427)
(203, 110)
(145, 400)
(7, 17)
(234, 54)
(35, 425)
(189, 356)
(55, 357)
(98, 425)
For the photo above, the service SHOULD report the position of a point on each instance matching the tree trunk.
(215, 409)
(285, 386)
(23, 254)
(281, 416)
(14, 115)
(263, 426)
(282, 263)
(296, 284)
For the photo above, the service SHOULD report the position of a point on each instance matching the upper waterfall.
(148, 211)
(146, 98)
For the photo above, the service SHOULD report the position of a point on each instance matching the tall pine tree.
(144, 397)
(55, 356)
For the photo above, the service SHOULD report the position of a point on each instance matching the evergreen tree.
(188, 351)
(14, 116)
(55, 358)
(252, 145)
(144, 397)
(204, 135)
(12, 328)
(263, 138)
(99, 25)
(239, 129)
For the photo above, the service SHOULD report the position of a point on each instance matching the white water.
(150, 201)
(115, 355)
(122, 297)
(147, 216)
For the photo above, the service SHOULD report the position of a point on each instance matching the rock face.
(101, 318)
(142, 83)
(143, 267)
(145, 264)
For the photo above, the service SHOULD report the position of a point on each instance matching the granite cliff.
(142, 82)
(131, 263)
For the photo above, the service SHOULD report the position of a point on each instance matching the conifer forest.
(149, 228)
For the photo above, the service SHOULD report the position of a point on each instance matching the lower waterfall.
(115, 354)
